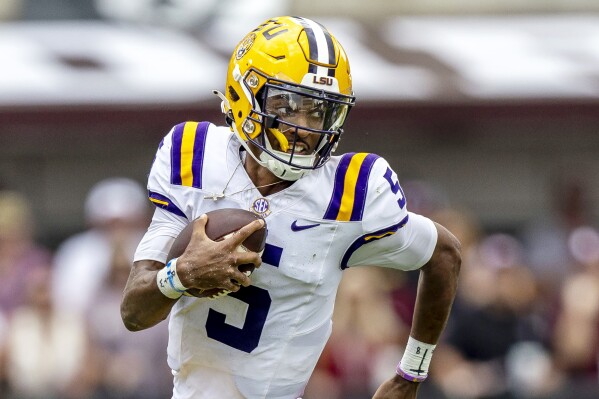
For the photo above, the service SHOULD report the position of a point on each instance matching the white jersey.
(264, 341)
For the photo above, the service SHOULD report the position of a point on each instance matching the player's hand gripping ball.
(221, 224)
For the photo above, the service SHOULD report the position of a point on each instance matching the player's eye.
(284, 111)
(316, 113)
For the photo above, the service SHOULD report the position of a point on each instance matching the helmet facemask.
(300, 126)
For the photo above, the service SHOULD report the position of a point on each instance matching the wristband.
(173, 277)
(415, 361)
(168, 282)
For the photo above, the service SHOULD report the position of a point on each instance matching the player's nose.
(302, 134)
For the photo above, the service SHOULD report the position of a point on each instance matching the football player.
(288, 92)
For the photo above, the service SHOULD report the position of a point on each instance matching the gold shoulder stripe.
(349, 187)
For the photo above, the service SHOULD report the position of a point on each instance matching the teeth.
(299, 148)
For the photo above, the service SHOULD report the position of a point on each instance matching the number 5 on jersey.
(391, 177)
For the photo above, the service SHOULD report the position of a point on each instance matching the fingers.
(233, 282)
(231, 286)
(216, 264)
(240, 235)
(199, 228)
(248, 257)
(240, 279)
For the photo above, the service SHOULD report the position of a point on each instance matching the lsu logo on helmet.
(244, 46)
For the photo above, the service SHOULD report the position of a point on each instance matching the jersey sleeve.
(392, 236)
(159, 238)
(177, 171)
(177, 167)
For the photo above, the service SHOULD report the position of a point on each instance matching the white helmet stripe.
(318, 40)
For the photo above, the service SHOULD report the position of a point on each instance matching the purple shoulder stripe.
(176, 154)
(362, 187)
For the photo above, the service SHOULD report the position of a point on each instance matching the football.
(222, 223)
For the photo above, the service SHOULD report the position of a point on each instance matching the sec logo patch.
(261, 207)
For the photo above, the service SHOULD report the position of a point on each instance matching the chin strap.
(283, 170)
(280, 169)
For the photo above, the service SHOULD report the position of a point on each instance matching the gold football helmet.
(288, 69)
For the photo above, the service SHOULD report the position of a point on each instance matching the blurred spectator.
(20, 255)
(21, 258)
(576, 339)
(424, 197)
(497, 311)
(547, 240)
(116, 212)
(47, 350)
(133, 365)
(91, 270)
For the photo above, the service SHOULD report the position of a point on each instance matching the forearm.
(143, 304)
(436, 289)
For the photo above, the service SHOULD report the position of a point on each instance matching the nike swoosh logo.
(295, 227)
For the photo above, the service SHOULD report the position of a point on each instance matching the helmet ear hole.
(233, 94)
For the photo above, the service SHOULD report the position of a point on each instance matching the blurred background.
(488, 112)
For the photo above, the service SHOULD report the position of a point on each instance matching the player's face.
(293, 110)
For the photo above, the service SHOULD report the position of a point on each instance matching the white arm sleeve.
(159, 238)
(408, 249)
